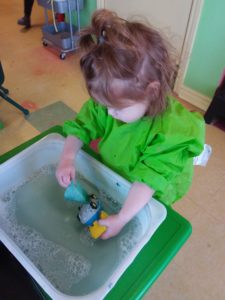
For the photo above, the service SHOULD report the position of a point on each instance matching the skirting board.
(194, 97)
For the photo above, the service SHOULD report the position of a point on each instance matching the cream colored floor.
(36, 74)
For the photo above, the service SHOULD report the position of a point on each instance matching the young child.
(146, 136)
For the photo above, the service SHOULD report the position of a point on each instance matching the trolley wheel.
(62, 56)
(45, 44)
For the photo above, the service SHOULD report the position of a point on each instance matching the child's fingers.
(105, 236)
(65, 176)
(103, 222)
(73, 173)
(63, 180)
(59, 179)
(113, 224)
(66, 180)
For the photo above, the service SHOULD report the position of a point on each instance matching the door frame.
(192, 26)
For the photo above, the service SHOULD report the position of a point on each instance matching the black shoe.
(24, 21)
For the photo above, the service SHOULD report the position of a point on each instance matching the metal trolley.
(60, 34)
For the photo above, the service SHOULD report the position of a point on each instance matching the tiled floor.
(34, 73)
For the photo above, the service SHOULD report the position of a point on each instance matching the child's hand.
(114, 225)
(131, 207)
(65, 172)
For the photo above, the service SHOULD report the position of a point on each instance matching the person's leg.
(28, 4)
(25, 21)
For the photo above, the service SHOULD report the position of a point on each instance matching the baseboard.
(194, 97)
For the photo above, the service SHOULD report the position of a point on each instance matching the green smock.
(157, 151)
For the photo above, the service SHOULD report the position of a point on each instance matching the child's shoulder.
(173, 104)
(177, 118)
(94, 105)
(176, 108)
(91, 110)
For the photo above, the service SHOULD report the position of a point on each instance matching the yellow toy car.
(89, 214)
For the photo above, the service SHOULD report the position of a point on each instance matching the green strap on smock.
(157, 151)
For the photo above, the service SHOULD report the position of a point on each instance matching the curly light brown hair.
(121, 59)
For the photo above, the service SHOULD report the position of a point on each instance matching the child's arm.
(138, 197)
(65, 171)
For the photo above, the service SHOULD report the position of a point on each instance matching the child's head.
(125, 63)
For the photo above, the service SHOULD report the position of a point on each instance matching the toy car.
(89, 214)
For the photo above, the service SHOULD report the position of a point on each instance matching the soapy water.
(44, 226)
(70, 267)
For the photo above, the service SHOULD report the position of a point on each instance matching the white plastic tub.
(41, 230)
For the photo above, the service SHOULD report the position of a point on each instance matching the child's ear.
(154, 85)
(153, 89)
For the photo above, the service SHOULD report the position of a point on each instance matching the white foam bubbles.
(63, 267)
(129, 238)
